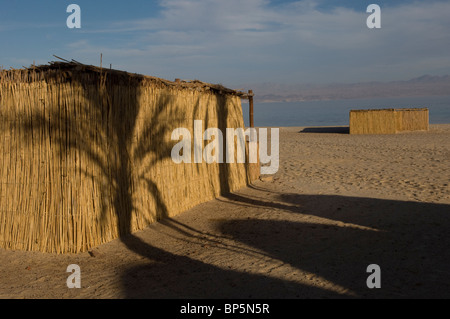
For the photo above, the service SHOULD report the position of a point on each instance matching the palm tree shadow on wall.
(225, 170)
(103, 130)
(222, 118)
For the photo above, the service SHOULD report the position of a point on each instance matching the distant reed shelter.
(85, 153)
(388, 121)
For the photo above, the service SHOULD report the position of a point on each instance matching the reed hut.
(388, 121)
(85, 153)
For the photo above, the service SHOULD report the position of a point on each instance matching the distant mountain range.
(425, 85)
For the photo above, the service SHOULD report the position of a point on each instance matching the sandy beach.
(338, 204)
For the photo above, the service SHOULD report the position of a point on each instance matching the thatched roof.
(70, 69)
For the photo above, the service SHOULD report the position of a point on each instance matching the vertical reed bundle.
(85, 154)
(412, 119)
(388, 121)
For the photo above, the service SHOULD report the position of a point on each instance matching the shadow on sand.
(408, 240)
(325, 129)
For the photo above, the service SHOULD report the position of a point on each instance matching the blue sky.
(235, 42)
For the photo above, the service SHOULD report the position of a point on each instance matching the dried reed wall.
(388, 121)
(85, 155)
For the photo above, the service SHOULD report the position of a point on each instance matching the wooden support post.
(250, 102)
(252, 123)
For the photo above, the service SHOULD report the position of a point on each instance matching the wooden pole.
(250, 102)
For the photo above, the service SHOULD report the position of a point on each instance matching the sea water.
(336, 112)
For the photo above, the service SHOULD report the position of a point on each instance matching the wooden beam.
(250, 102)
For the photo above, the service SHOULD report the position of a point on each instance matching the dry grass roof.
(72, 69)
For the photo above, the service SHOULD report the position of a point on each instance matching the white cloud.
(241, 40)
